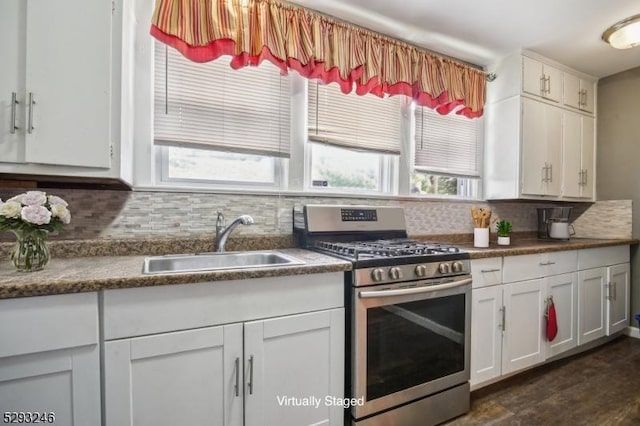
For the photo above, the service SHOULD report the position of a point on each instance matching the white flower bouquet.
(31, 216)
(34, 210)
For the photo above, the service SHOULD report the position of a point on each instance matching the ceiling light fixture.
(624, 34)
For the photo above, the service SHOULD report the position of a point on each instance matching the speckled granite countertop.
(80, 274)
(532, 246)
(97, 271)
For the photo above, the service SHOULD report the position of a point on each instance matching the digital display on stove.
(359, 215)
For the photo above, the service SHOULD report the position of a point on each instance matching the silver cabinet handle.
(584, 175)
(236, 388)
(608, 287)
(250, 382)
(484, 271)
(14, 103)
(549, 86)
(547, 263)
(550, 172)
(32, 102)
(542, 85)
(581, 177)
(614, 289)
(417, 290)
(504, 318)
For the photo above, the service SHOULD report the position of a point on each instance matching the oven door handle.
(416, 290)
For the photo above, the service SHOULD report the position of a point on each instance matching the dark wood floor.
(598, 387)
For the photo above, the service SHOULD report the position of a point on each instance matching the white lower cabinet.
(563, 289)
(244, 373)
(507, 329)
(591, 296)
(617, 312)
(49, 359)
(486, 334)
(603, 293)
(523, 344)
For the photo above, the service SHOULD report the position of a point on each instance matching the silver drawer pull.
(547, 263)
(32, 102)
(486, 271)
(14, 103)
(250, 383)
(236, 388)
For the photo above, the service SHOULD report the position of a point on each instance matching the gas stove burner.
(385, 248)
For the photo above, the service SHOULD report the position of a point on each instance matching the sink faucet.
(222, 233)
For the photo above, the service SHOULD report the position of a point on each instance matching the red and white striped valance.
(318, 47)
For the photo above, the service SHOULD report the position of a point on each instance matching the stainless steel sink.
(215, 262)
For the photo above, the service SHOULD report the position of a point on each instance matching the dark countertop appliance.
(553, 223)
(408, 312)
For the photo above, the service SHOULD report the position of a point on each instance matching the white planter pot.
(504, 241)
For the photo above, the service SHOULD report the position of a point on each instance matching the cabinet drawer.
(531, 266)
(44, 323)
(602, 256)
(486, 272)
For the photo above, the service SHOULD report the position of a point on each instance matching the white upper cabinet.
(539, 135)
(541, 79)
(578, 145)
(579, 92)
(541, 148)
(59, 88)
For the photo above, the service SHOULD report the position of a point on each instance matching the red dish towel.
(552, 321)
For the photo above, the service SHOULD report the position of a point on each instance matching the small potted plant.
(503, 227)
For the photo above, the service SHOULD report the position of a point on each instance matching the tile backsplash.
(105, 214)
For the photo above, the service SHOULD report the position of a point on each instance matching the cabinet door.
(486, 334)
(587, 153)
(572, 176)
(534, 148)
(591, 300)
(553, 127)
(541, 148)
(12, 78)
(553, 87)
(191, 377)
(523, 344)
(589, 95)
(617, 298)
(63, 382)
(298, 356)
(532, 77)
(68, 64)
(571, 91)
(564, 291)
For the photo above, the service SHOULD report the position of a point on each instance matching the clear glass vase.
(30, 252)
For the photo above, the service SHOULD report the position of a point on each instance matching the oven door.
(410, 340)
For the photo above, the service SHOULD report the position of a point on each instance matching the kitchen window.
(447, 156)
(354, 141)
(216, 125)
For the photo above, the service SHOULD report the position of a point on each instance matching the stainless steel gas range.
(408, 315)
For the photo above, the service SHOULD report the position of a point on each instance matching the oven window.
(412, 343)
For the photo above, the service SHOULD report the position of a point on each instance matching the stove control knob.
(457, 266)
(444, 268)
(377, 274)
(421, 271)
(395, 273)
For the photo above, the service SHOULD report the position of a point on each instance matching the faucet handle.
(220, 220)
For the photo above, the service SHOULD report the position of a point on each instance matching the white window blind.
(447, 144)
(361, 122)
(212, 105)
